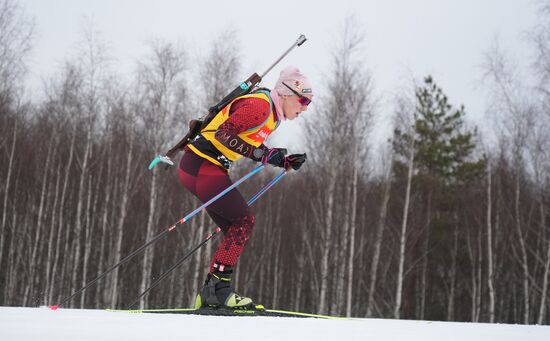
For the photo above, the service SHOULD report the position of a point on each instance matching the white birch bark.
(479, 277)
(403, 236)
(327, 245)
(490, 267)
(88, 240)
(51, 237)
(342, 240)
(351, 256)
(38, 224)
(101, 292)
(543, 298)
(523, 249)
(148, 254)
(118, 233)
(56, 278)
(475, 256)
(79, 208)
(378, 240)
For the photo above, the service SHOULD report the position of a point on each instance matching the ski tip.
(54, 307)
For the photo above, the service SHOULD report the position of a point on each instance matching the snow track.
(22, 324)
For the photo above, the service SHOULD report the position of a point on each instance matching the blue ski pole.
(160, 235)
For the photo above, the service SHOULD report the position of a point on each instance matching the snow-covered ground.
(21, 324)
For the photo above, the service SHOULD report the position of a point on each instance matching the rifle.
(196, 125)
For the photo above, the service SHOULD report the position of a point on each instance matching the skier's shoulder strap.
(264, 91)
(196, 126)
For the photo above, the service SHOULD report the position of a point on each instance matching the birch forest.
(439, 221)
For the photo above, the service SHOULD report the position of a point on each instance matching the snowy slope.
(42, 324)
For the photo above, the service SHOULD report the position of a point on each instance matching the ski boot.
(217, 292)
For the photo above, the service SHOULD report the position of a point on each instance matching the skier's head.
(295, 92)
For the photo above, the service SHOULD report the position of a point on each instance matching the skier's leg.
(232, 214)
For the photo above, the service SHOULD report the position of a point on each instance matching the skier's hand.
(294, 161)
(273, 156)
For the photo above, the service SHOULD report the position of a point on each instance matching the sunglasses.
(302, 99)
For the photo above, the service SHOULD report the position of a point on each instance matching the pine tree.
(443, 146)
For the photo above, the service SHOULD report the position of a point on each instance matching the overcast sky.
(404, 38)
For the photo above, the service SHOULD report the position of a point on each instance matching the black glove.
(273, 156)
(295, 161)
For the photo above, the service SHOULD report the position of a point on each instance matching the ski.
(209, 311)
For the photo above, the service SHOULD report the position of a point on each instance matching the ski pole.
(160, 235)
(210, 236)
(267, 187)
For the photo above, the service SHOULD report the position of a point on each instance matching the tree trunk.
(378, 240)
(475, 255)
(338, 301)
(490, 269)
(38, 224)
(327, 245)
(51, 238)
(118, 233)
(424, 277)
(403, 238)
(56, 279)
(148, 255)
(523, 248)
(87, 240)
(352, 241)
(103, 223)
(76, 270)
(542, 307)
(14, 254)
(454, 256)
